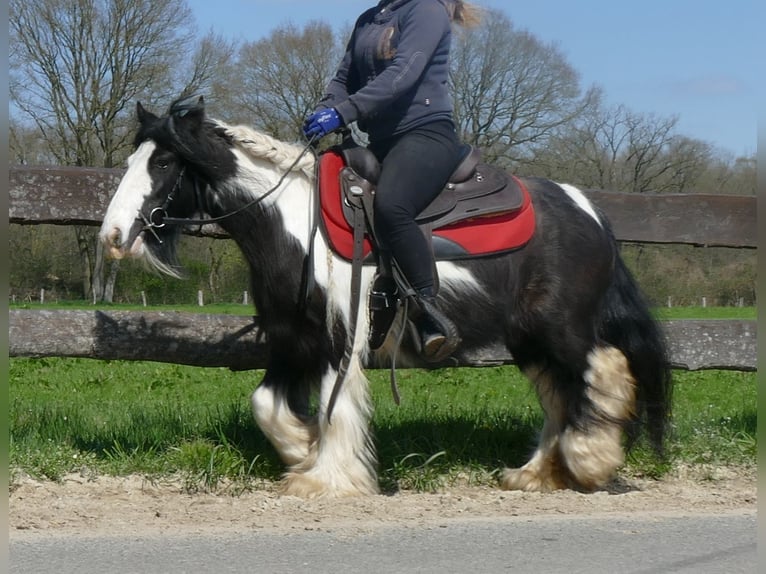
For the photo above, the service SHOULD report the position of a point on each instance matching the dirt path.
(116, 506)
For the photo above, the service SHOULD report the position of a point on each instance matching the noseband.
(158, 218)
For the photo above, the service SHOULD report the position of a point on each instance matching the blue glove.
(321, 123)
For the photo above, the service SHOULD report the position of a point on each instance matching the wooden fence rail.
(79, 196)
(233, 341)
(68, 196)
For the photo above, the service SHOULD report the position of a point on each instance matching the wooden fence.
(68, 196)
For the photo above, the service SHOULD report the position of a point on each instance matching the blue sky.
(699, 61)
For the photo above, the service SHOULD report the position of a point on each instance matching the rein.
(158, 217)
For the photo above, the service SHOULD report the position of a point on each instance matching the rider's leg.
(414, 169)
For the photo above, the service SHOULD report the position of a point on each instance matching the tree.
(79, 63)
(25, 146)
(613, 148)
(511, 91)
(729, 175)
(77, 67)
(283, 76)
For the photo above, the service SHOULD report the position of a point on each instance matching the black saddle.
(474, 189)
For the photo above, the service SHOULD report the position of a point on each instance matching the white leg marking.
(593, 455)
(343, 463)
(291, 436)
(543, 472)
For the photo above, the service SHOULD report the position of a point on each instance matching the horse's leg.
(342, 461)
(591, 445)
(543, 472)
(276, 411)
(581, 442)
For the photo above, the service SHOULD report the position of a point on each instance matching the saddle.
(474, 190)
(481, 211)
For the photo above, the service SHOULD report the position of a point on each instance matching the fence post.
(704, 302)
(42, 296)
(199, 298)
(244, 298)
(143, 298)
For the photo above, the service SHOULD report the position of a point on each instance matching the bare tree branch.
(511, 91)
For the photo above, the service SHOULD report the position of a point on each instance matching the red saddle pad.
(468, 238)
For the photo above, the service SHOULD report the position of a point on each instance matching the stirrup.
(437, 335)
(383, 306)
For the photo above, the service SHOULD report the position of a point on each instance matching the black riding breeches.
(415, 166)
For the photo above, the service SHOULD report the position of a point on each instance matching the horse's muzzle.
(117, 249)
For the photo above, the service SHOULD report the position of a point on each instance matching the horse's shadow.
(417, 455)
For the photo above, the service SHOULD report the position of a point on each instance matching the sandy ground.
(83, 506)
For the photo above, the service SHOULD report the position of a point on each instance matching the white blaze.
(134, 188)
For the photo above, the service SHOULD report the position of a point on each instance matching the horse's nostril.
(115, 238)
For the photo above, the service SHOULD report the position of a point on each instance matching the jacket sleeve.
(420, 33)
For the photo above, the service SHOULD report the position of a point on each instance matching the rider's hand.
(321, 123)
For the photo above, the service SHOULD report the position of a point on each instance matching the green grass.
(115, 417)
(240, 309)
(213, 309)
(706, 313)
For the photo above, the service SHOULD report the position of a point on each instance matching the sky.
(701, 62)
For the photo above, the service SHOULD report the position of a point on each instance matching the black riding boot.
(438, 335)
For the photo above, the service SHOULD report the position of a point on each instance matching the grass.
(213, 309)
(664, 313)
(240, 309)
(115, 417)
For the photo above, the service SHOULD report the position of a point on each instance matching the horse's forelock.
(171, 137)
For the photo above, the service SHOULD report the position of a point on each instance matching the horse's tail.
(628, 324)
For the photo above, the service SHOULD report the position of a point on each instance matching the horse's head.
(162, 179)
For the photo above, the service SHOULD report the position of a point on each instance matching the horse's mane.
(261, 146)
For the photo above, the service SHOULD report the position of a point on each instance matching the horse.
(563, 304)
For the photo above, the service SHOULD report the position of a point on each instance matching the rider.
(393, 82)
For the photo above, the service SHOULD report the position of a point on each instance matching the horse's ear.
(143, 114)
(188, 112)
(187, 105)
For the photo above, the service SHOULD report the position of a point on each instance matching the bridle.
(158, 216)
(158, 219)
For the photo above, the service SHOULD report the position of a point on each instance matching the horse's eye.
(162, 163)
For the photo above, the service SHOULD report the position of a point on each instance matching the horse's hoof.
(530, 481)
(304, 485)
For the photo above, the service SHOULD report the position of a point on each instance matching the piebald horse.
(563, 304)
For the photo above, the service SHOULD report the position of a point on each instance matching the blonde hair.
(464, 14)
(261, 146)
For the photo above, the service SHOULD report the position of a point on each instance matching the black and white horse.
(564, 306)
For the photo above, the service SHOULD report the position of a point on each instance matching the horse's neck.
(272, 235)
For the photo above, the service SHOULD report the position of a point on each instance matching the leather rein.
(158, 217)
